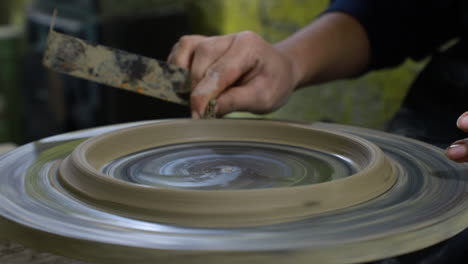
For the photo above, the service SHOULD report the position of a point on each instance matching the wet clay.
(425, 205)
(81, 174)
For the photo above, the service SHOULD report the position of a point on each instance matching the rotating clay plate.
(47, 201)
(225, 173)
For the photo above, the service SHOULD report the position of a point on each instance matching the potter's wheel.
(257, 191)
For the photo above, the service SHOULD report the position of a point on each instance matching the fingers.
(236, 62)
(182, 52)
(206, 53)
(249, 97)
(462, 122)
(235, 99)
(242, 71)
(198, 53)
(458, 151)
(214, 63)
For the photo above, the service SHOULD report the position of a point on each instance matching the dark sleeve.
(398, 29)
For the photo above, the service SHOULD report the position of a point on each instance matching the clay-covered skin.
(210, 111)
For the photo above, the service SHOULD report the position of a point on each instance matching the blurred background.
(35, 103)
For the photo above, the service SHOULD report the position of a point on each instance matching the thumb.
(220, 77)
(458, 151)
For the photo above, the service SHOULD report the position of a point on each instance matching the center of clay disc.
(228, 165)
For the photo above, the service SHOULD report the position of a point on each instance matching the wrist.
(292, 63)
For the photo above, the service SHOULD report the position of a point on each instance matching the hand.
(458, 151)
(242, 71)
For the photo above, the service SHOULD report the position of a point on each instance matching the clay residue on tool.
(117, 68)
(132, 66)
(71, 51)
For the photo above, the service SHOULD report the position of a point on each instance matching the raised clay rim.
(80, 174)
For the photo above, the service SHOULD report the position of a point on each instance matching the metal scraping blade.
(116, 68)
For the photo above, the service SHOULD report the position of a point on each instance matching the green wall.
(368, 101)
(11, 52)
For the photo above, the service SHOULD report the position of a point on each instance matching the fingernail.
(195, 115)
(456, 151)
(462, 121)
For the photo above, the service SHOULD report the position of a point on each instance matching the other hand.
(458, 151)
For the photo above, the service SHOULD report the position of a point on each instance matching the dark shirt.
(398, 29)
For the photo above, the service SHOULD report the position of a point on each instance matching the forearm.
(334, 46)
